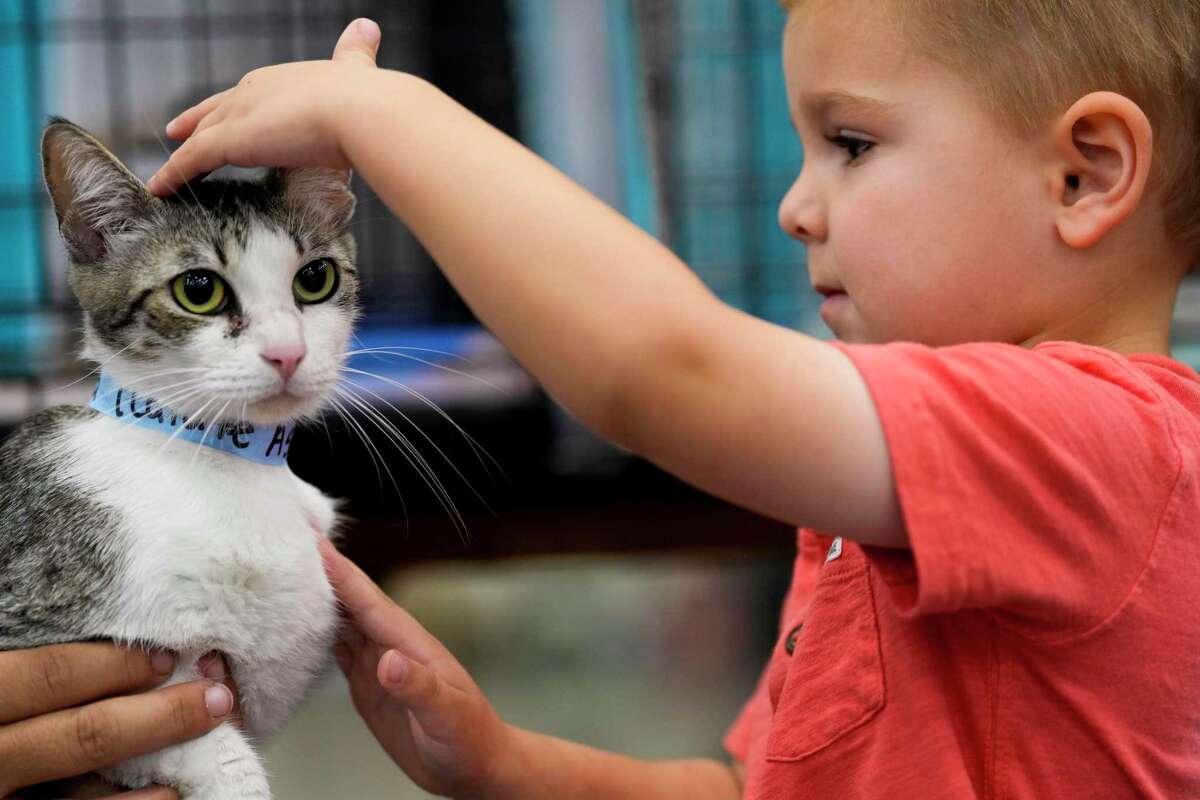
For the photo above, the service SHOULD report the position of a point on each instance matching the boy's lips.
(834, 301)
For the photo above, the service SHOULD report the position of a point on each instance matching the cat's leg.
(221, 765)
(270, 689)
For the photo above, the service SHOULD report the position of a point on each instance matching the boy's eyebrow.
(820, 104)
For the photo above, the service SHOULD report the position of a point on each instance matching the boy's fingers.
(359, 42)
(81, 740)
(63, 675)
(423, 691)
(195, 156)
(374, 613)
(182, 126)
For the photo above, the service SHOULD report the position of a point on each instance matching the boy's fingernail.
(397, 667)
(218, 700)
(368, 30)
(162, 662)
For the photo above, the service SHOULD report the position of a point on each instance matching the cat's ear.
(95, 196)
(319, 196)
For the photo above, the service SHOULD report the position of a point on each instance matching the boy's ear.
(1104, 147)
(95, 196)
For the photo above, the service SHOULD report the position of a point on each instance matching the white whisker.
(432, 443)
(416, 460)
(475, 446)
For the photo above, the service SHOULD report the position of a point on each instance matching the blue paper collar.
(268, 445)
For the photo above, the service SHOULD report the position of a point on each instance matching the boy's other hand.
(281, 116)
(415, 697)
(66, 710)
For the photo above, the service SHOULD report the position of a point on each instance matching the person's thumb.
(359, 42)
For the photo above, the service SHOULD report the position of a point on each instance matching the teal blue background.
(21, 278)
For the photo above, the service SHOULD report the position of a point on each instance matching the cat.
(164, 514)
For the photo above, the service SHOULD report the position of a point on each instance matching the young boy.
(1000, 201)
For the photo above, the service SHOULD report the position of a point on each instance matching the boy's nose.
(800, 214)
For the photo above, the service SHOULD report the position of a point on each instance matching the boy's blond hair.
(1032, 59)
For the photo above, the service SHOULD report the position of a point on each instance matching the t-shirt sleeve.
(1031, 482)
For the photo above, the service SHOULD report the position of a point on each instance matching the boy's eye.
(200, 292)
(851, 144)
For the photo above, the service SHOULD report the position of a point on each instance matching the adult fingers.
(149, 793)
(90, 787)
(199, 154)
(373, 612)
(359, 42)
(84, 739)
(214, 667)
(63, 675)
(182, 126)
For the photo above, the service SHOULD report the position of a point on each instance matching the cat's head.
(233, 300)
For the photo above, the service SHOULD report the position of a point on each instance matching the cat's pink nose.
(285, 358)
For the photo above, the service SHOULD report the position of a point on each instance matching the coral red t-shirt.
(1042, 637)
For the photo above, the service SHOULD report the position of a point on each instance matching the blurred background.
(591, 595)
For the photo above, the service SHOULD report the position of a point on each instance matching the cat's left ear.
(321, 197)
(95, 196)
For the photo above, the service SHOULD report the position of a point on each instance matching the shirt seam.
(1077, 636)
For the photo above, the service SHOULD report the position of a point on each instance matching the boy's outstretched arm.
(439, 728)
(615, 326)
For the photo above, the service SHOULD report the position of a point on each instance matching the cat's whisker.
(96, 369)
(113, 393)
(345, 414)
(181, 391)
(433, 444)
(451, 370)
(181, 428)
(208, 426)
(394, 351)
(324, 424)
(475, 446)
(376, 456)
(414, 458)
(411, 453)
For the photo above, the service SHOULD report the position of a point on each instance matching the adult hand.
(67, 710)
(418, 701)
(287, 115)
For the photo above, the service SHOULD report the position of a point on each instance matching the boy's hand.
(56, 723)
(286, 115)
(415, 697)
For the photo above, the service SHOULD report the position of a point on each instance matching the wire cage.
(724, 148)
(121, 68)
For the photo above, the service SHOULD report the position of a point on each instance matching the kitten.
(165, 515)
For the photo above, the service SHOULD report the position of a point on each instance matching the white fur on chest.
(221, 552)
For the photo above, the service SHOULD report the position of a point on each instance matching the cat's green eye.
(200, 292)
(315, 281)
